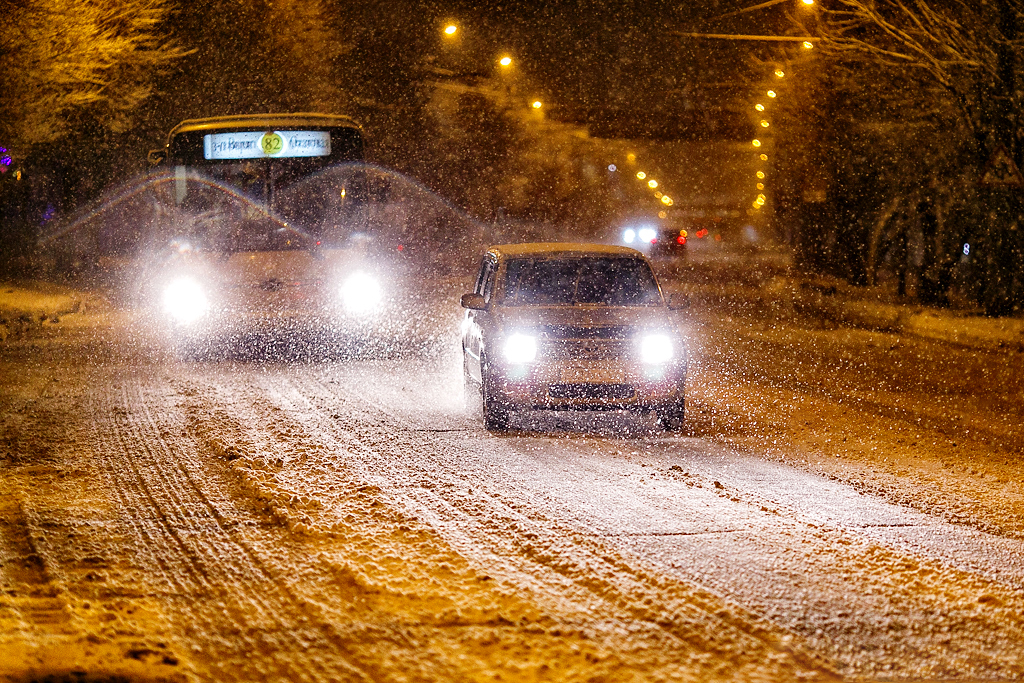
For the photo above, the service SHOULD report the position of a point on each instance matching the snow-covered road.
(350, 521)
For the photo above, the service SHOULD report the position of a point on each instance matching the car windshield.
(604, 280)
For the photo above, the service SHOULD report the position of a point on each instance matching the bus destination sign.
(275, 144)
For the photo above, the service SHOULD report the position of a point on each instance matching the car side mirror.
(678, 302)
(473, 301)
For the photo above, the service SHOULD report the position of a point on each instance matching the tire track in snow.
(534, 551)
(233, 605)
(856, 574)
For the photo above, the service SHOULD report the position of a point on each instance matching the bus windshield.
(239, 178)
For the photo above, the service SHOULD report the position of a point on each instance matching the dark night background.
(874, 162)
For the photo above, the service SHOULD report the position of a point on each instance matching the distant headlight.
(520, 348)
(361, 294)
(185, 301)
(656, 348)
(629, 236)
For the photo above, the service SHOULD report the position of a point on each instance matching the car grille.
(584, 349)
(594, 332)
(591, 391)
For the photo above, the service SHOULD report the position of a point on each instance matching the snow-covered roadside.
(862, 309)
(766, 282)
(34, 307)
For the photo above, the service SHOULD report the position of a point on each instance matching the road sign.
(1001, 171)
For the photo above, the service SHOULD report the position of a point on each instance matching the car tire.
(497, 414)
(673, 417)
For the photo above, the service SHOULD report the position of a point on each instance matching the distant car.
(561, 326)
(655, 242)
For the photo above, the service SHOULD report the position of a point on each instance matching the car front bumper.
(589, 386)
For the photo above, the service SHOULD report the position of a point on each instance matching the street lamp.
(652, 183)
(451, 30)
(537, 104)
(505, 61)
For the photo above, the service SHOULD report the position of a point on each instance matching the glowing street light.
(652, 183)
(760, 174)
(759, 106)
(666, 200)
(640, 175)
(771, 93)
(764, 124)
(756, 143)
(779, 73)
(505, 61)
(808, 2)
(808, 45)
(451, 30)
(764, 157)
(537, 104)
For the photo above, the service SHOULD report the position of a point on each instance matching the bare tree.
(967, 54)
(68, 60)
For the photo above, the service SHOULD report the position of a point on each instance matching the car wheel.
(673, 417)
(496, 412)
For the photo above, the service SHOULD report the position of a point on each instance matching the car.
(655, 242)
(560, 326)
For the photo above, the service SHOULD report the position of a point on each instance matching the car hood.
(581, 317)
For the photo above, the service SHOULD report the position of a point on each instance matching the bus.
(237, 179)
(255, 232)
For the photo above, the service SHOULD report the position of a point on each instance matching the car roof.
(571, 249)
(264, 121)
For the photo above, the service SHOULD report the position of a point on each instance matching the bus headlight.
(520, 348)
(185, 301)
(361, 294)
(656, 348)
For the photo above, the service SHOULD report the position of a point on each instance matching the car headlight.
(656, 348)
(185, 301)
(361, 294)
(520, 348)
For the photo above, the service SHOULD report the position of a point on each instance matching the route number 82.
(272, 143)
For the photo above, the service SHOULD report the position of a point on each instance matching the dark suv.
(571, 326)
